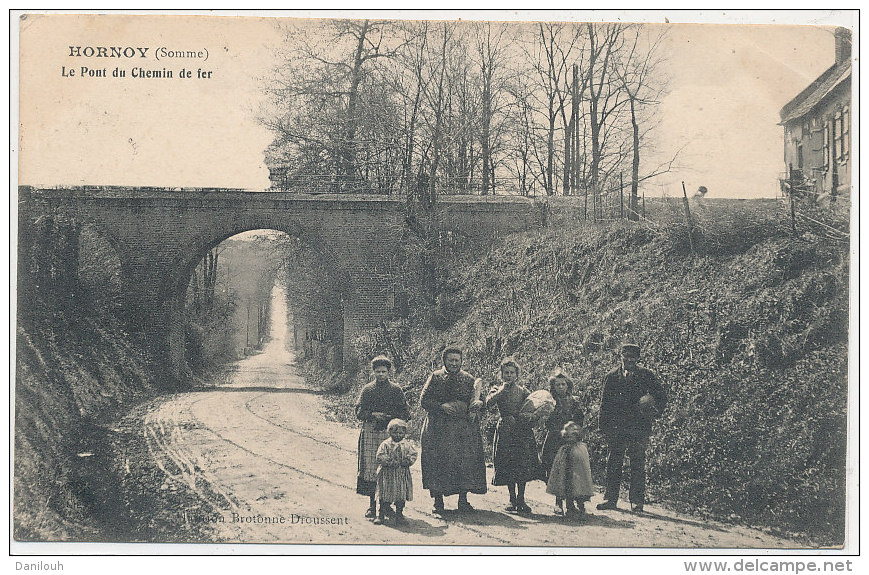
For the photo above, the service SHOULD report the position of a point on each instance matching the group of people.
(452, 456)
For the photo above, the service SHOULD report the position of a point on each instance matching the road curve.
(260, 450)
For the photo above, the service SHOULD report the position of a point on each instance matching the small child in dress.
(570, 477)
(394, 483)
(567, 408)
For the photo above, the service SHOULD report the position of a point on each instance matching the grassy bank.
(80, 472)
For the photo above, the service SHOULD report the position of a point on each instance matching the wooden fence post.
(792, 183)
(688, 217)
(622, 195)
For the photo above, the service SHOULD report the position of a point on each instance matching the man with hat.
(632, 397)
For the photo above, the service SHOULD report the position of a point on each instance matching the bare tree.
(318, 90)
(437, 99)
(603, 95)
(564, 48)
(492, 45)
(425, 107)
(521, 134)
(462, 120)
(409, 81)
(639, 73)
(543, 56)
(369, 37)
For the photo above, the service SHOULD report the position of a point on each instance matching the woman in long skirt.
(379, 402)
(515, 448)
(451, 457)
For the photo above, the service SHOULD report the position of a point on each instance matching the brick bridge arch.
(160, 235)
(337, 268)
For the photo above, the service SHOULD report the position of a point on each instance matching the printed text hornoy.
(108, 52)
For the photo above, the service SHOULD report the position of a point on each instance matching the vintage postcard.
(435, 282)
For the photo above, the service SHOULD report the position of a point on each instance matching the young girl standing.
(515, 449)
(394, 483)
(570, 476)
(379, 403)
(567, 408)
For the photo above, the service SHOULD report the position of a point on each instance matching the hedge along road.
(261, 453)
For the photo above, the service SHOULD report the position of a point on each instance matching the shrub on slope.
(69, 372)
(749, 335)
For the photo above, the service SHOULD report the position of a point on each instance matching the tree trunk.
(349, 144)
(594, 168)
(574, 161)
(410, 187)
(595, 152)
(486, 120)
(568, 156)
(550, 153)
(635, 163)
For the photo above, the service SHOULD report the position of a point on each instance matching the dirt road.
(260, 450)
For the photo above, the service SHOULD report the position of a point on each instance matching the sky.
(727, 85)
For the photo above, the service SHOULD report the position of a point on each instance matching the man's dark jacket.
(620, 413)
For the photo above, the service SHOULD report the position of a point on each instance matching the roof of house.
(803, 103)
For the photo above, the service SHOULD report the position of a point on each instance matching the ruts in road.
(260, 450)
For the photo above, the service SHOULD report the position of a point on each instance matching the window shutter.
(844, 131)
(827, 145)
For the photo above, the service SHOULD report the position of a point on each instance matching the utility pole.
(688, 218)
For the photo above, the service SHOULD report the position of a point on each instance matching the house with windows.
(817, 130)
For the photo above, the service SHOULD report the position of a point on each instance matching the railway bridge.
(160, 234)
